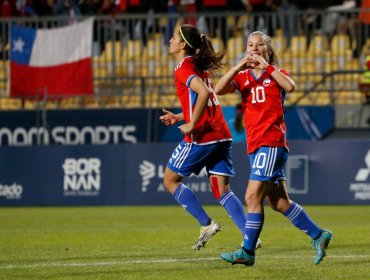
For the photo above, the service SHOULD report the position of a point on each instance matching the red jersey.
(211, 126)
(262, 101)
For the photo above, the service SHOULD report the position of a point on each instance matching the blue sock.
(187, 199)
(253, 228)
(234, 208)
(301, 220)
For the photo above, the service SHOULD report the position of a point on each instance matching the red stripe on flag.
(67, 79)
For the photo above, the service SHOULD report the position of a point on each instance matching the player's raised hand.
(259, 61)
(244, 63)
(168, 118)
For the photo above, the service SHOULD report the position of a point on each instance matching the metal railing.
(132, 67)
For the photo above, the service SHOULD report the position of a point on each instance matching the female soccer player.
(207, 141)
(262, 86)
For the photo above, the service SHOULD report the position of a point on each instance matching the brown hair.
(200, 47)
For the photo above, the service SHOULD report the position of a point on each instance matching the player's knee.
(281, 206)
(251, 197)
(170, 185)
(252, 200)
(218, 188)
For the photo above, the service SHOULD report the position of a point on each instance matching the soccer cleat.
(206, 232)
(321, 244)
(258, 244)
(238, 257)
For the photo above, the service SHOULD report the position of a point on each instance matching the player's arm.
(203, 92)
(169, 118)
(225, 84)
(283, 80)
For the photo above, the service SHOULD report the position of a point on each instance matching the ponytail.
(199, 46)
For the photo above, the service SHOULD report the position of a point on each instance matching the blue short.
(189, 158)
(267, 164)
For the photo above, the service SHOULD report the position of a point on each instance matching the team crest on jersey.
(266, 82)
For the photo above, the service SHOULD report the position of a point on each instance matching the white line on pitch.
(110, 263)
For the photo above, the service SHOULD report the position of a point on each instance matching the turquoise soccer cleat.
(238, 257)
(321, 244)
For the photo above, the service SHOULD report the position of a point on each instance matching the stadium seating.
(217, 44)
(235, 49)
(280, 44)
(318, 45)
(298, 46)
(130, 72)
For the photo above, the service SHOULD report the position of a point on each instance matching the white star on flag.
(18, 45)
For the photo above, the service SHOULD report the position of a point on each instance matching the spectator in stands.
(156, 25)
(207, 138)
(113, 7)
(364, 26)
(138, 27)
(8, 8)
(184, 8)
(43, 7)
(337, 20)
(91, 7)
(313, 21)
(180, 8)
(254, 7)
(216, 23)
(66, 7)
(25, 8)
(134, 28)
(289, 18)
(235, 6)
(69, 8)
(262, 86)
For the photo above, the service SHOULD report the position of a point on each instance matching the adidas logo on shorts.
(257, 172)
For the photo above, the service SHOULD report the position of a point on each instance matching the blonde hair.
(273, 58)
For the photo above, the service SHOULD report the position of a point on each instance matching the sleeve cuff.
(270, 69)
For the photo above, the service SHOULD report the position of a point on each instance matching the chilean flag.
(54, 61)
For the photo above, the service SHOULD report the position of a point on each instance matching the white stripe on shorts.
(268, 162)
(182, 156)
(179, 156)
(271, 161)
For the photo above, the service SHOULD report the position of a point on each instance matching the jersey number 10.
(258, 95)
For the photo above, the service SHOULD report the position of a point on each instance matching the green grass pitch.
(155, 243)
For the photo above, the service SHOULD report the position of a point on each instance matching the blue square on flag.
(21, 44)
